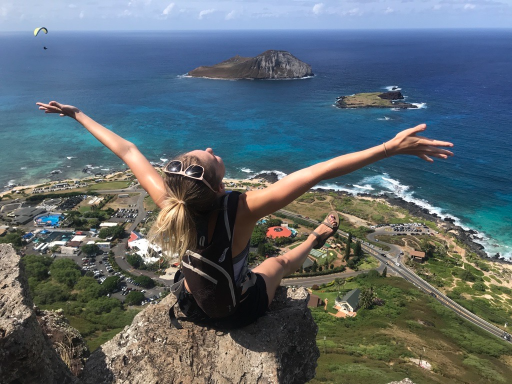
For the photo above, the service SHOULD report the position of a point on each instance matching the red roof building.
(275, 232)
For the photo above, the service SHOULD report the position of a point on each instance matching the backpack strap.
(230, 208)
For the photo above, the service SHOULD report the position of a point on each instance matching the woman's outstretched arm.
(262, 202)
(147, 175)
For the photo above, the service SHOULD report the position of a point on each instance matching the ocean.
(134, 83)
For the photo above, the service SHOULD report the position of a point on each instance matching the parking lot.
(101, 268)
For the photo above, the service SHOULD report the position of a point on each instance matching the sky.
(19, 15)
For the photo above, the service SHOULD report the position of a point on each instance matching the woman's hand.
(61, 109)
(408, 143)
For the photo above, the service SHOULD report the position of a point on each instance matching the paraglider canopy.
(37, 30)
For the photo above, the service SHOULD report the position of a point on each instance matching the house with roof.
(418, 256)
(348, 304)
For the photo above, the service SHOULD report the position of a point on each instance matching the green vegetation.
(108, 185)
(59, 284)
(113, 232)
(374, 347)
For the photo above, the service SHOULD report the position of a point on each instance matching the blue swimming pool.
(52, 219)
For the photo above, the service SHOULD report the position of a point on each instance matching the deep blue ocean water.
(133, 83)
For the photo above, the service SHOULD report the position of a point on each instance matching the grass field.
(108, 185)
(375, 346)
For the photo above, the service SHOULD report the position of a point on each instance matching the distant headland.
(270, 64)
(374, 100)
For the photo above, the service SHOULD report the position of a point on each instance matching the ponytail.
(174, 229)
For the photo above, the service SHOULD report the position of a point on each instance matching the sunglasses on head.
(193, 171)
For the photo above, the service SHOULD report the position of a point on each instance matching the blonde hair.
(187, 199)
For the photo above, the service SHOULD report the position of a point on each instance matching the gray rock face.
(279, 348)
(66, 340)
(270, 64)
(26, 355)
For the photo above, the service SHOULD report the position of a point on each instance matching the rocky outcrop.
(26, 355)
(392, 95)
(374, 100)
(270, 177)
(270, 64)
(66, 340)
(279, 348)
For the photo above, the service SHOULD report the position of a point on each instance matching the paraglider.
(37, 30)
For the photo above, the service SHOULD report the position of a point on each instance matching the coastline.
(469, 237)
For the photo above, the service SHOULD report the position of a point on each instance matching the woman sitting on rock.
(209, 229)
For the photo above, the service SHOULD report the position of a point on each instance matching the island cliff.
(374, 100)
(270, 64)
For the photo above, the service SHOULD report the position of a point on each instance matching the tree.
(358, 251)
(366, 298)
(315, 266)
(258, 236)
(134, 298)
(114, 232)
(273, 223)
(65, 271)
(91, 250)
(385, 272)
(479, 286)
(37, 267)
(111, 284)
(145, 281)
(135, 261)
(339, 283)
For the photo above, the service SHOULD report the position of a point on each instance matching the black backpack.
(209, 270)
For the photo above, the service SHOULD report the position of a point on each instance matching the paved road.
(392, 258)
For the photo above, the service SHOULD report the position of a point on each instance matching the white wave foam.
(105, 169)
(70, 157)
(279, 174)
(246, 170)
(420, 105)
(385, 118)
(395, 109)
(393, 88)
(23, 168)
(164, 160)
(11, 183)
(366, 186)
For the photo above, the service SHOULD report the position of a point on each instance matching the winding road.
(392, 259)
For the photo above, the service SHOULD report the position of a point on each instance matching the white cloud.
(231, 15)
(125, 13)
(205, 12)
(389, 10)
(81, 15)
(72, 6)
(353, 12)
(469, 6)
(168, 9)
(318, 8)
(437, 7)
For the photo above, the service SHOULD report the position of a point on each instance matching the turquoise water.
(133, 83)
(52, 220)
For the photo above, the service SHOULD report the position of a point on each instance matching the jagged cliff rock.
(279, 348)
(26, 355)
(66, 340)
(270, 64)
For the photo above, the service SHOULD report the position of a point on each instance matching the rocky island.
(270, 64)
(389, 99)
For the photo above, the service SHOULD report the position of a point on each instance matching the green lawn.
(374, 347)
(108, 185)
